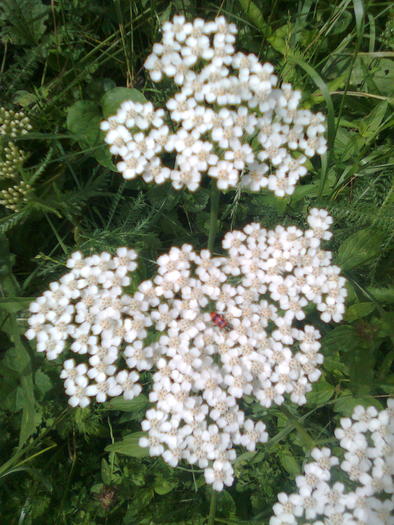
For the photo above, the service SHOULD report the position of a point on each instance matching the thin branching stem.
(213, 219)
(212, 508)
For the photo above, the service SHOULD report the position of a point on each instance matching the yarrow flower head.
(367, 468)
(230, 119)
(84, 311)
(222, 328)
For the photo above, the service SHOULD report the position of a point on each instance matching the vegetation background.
(60, 63)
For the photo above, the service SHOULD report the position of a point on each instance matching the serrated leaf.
(378, 72)
(359, 310)
(369, 127)
(83, 120)
(342, 338)
(113, 98)
(106, 472)
(383, 295)
(289, 463)
(129, 446)
(225, 503)
(197, 201)
(42, 382)
(346, 404)
(359, 248)
(321, 392)
(254, 14)
(127, 405)
(163, 486)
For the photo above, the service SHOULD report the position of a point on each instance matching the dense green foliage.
(59, 64)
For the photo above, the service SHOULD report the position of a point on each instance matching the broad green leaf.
(379, 73)
(225, 503)
(385, 325)
(24, 98)
(42, 382)
(163, 486)
(347, 403)
(103, 156)
(113, 98)
(106, 472)
(289, 462)
(347, 143)
(359, 310)
(15, 304)
(83, 120)
(259, 202)
(254, 14)
(361, 359)
(302, 191)
(129, 446)
(321, 392)
(383, 295)
(127, 405)
(342, 338)
(197, 201)
(369, 127)
(359, 248)
(279, 39)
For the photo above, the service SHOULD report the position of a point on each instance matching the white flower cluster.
(229, 119)
(221, 328)
(86, 305)
(367, 439)
(229, 331)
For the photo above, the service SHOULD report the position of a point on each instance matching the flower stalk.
(213, 219)
(212, 508)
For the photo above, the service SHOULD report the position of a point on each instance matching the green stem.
(213, 218)
(212, 508)
(305, 437)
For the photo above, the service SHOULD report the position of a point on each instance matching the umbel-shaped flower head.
(364, 494)
(214, 329)
(229, 120)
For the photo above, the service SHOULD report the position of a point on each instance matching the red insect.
(220, 321)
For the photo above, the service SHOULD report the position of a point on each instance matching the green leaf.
(369, 127)
(113, 98)
(383, 295)
(255, 16)
(42, 382)
(83, 120)
(225, 504)
(127, 405)
(321, 84)
(347, 143)
(321, 393)
(24, 21)
(342, 338)
(359, 310)
(289, 462)
(378, 72)
(163, 486)
(129, 446)
(15, 304)
(359, 248)
(106, 472)
(347, 403)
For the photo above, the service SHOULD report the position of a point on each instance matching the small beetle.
(220, 321)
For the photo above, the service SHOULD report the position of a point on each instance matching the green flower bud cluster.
(13, 123)
(12, 160)
(15, 197)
